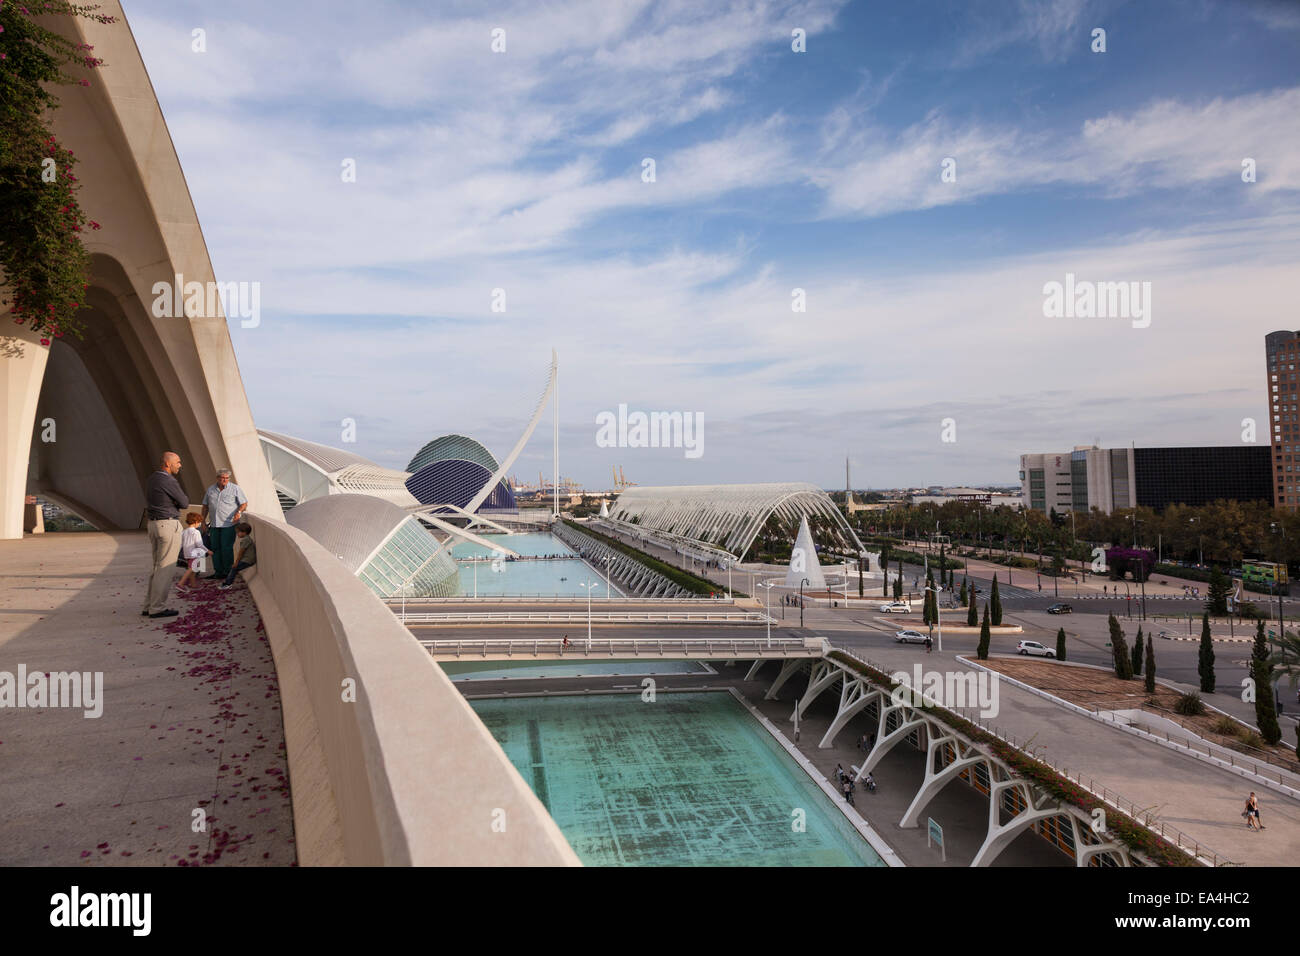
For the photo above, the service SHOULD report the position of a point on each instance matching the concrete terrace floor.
(191, 716)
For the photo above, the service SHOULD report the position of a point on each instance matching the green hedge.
(911, 557)
(691, 582)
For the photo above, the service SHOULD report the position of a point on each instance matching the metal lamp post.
(801, 584)
(1281, 621)
(767, 586)
(938, 614)
(589, 585)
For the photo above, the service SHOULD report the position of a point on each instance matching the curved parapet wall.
(405, 774)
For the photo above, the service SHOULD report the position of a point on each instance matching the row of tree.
(1224, 532)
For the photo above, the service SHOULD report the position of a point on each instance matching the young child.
(245, 554)
(192, 550)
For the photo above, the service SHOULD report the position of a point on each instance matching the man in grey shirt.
(164, 498)
(223, 508)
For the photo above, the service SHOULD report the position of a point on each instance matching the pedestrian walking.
(848, 792)
(164, 498)
(1252, 812)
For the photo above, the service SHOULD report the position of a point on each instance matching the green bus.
(1264, 573)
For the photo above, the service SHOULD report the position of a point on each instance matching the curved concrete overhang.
(166, 383)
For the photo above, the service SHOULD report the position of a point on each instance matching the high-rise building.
(1116, 478)
(1283, 354)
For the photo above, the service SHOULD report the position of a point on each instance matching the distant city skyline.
(1172, 158)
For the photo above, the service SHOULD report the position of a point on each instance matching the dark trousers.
(230, 576)
(223, 549)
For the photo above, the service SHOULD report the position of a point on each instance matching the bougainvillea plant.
(43, 263)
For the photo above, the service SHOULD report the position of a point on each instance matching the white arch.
(509, 460)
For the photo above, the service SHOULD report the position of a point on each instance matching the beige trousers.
(165, 539)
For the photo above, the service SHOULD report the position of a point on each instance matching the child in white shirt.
(192, 550)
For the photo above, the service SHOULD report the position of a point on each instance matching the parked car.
(1035, 649)
(1060, 609)
(910, 637)
(896, 607)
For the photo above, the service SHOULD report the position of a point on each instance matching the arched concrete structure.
(158, 383)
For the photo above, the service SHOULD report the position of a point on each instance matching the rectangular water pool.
(687, 780)
(553, 569)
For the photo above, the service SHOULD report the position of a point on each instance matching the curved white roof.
(328, 460)
(380, 543)
(727, 517)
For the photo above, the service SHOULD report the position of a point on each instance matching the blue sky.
(775, 170)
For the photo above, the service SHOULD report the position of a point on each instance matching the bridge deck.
(667, 648)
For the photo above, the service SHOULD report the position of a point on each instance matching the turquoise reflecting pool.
(688, 780)
(533, 543)
(527, 670)
(548, 577)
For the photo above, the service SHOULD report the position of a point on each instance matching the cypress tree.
(884, 564)
(1060, 644)
(982, 651)
(1217, 598)
(1205, 661)
(898, 582)
(1138, 648)
(1265, 706)
(996, 604)
(962, 596)
(1150, 681)
(1119, 651)
(972, 612)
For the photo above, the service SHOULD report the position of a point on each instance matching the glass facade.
(1079, 481)
(1199, 476)
(410, 554)
(1037, 490)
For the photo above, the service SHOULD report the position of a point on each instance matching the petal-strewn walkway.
(191, 717)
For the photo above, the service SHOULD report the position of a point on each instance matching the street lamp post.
(938, 614)
(588, 586)
(767, 592)
(1281, 621)
(801, 584)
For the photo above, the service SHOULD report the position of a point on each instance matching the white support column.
(886, 742)
(22, 369)
(1083, 852)
(824, 674)
(855, 696)
(788, 670)
(935, 781)
(1000, 835)
(753, 671)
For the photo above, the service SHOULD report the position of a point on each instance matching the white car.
(910, 637)
(1034, 648)
(896, 607)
